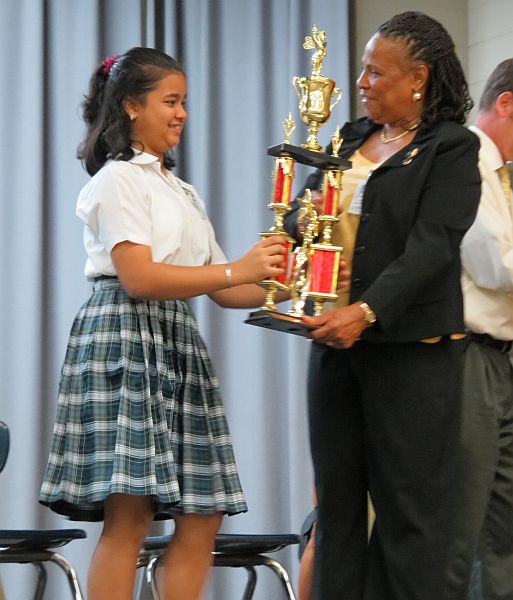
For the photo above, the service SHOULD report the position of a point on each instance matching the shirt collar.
(490, 150)
(143, 158)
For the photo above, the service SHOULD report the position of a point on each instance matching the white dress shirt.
(487, 253)
(135, 201)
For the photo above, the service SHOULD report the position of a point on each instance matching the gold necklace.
(385, 140)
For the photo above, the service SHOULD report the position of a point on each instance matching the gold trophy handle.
(337, 91)
(295, 80)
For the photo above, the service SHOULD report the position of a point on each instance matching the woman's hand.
(343, 274)
(263, 260)
(338, 328)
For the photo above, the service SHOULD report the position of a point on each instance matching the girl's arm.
(251, 296)
(144, 279)
(244, 296)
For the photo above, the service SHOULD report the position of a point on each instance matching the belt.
(503, 346)
(101, 278)
(439, 338)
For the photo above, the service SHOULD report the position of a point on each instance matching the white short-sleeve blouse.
(134, 201)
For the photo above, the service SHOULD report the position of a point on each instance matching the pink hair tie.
(108, 62)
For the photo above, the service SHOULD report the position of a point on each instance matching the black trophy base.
(319, 160)
(278, 322)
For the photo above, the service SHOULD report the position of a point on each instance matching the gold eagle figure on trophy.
(301, 274)
(317, 42)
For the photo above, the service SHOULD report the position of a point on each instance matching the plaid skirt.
(139, 412)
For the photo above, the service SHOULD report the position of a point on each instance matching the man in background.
(485, 490)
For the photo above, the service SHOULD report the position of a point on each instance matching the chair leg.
(282, 574)
(41, 580)
(71, 574)
(249, 590)
(151, 579)
(151, 576)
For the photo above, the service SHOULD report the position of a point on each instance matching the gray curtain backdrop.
(240, 56)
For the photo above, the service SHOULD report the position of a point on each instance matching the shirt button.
(357, 282)
(359, 249)
(365, 217)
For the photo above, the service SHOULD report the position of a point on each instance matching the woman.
(385, 370)
(140, 429)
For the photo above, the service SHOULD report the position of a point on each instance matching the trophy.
(311, 270)
(315, 92)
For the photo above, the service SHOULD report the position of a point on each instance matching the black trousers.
(484, 523)
(384, 418)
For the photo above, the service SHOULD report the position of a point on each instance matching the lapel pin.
(410, 156)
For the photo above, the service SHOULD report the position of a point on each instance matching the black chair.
(307, 531)
(37, 546)
(247, 551)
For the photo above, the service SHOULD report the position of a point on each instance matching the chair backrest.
(4, 444)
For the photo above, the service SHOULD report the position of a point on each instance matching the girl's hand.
(263, 260)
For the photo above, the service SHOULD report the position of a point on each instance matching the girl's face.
(158, 121)
(388, 80)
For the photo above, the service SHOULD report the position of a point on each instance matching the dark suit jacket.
(416, 208)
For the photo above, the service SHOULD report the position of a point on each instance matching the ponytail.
(93, 151)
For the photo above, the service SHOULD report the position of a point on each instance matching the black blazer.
(415, 210)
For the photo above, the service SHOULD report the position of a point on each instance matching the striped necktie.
(505, 183)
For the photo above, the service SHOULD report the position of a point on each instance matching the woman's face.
(159, 120)
(388, 80)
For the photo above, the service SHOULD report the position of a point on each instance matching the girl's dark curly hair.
(447, 96)
(131, 75)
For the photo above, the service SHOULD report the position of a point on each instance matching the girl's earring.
(132, 117)
(416, 96)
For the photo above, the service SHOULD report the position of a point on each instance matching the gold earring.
(132, 117)
(416, 96)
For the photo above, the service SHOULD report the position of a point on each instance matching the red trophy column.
(324, 256)
(283, 176)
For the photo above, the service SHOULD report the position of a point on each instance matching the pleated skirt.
(139, 412)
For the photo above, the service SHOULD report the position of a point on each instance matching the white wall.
(490, 40)
(368, 15)
(482, 31)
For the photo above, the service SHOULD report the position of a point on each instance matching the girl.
(140, 430)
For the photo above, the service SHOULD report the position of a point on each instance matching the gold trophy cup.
(315, 93)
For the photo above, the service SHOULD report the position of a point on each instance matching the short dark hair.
(131, 75)
(501, 80)
(447, 96)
